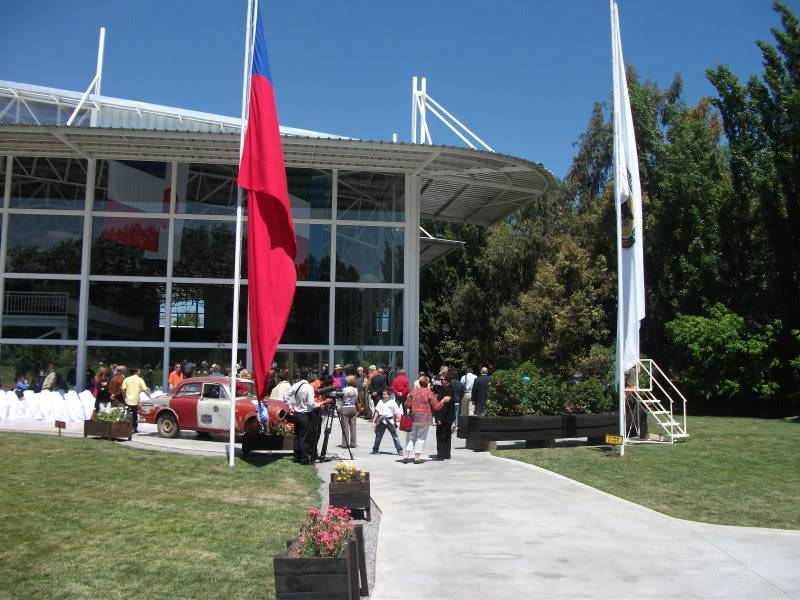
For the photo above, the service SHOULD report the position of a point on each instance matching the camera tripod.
(328, 413)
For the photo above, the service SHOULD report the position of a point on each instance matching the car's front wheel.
(167, 426)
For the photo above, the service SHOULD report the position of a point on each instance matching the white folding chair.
(74, 406)
(87, 402)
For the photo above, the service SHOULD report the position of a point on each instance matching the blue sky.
(523, 74)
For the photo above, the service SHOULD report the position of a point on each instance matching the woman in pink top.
(421, 403)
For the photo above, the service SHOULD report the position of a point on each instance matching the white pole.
(100, 51)
(414, 110)
(237, 267)
(620, 340)
(423, 120)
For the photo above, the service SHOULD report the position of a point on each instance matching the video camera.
(330, 391)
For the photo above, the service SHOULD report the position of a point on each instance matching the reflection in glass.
(44, 244)
(32, 362)
(135, 186)
(58, 183)
(197, 362)
(207, 248)
(308, 319)
(208, 189)
(299, 363)
(370, 317)
(129, 246)
(369, 254)
(204, 313)
(366, 196)
(40, 308)
(147, 359)
(125, 311)
(313, 260)
(309, 193)
(385, 359)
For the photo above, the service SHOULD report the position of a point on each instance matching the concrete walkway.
(481, 527)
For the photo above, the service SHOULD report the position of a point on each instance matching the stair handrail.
(672, 385)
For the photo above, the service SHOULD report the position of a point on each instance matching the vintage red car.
(203, 404)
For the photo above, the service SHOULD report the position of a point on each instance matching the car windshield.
(245, 388)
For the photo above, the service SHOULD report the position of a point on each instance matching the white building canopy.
(456, 184)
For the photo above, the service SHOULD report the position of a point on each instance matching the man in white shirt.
(467, 380)
(306, 419)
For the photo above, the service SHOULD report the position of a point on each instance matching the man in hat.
(338, 377)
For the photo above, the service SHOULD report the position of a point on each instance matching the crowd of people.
(383, 396)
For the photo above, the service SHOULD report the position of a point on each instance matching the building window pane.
(133, 186)
(147, 359)
(366, 196)
(207, 190)
(385, 359)
(32, 363)
(300, 363)
(129, 246)
(371, 317)
(204, 313)
(310, 193)
(44, 244)
(313, 260)
(207, 248)
(308, 319)
(125, 311)
(41, 308)
(369, 254)
(197, 362)
(57, 183)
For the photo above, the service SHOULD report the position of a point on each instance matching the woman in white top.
(385, 419)
(346, 406)
(283, 385)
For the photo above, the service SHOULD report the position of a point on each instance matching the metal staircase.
(653, 394)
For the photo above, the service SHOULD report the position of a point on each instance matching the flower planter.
(351, 494)
(254, 440)
(108, 430)
(331, 578)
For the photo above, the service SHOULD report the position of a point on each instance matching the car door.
(184, 403)
(214, 408)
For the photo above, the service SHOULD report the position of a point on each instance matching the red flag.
(271, 245)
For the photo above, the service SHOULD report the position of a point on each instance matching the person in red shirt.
(421, 403)
(400, 387)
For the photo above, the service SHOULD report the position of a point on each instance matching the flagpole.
(620, 333)
(237, 266)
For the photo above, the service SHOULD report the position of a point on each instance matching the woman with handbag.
(421, 403)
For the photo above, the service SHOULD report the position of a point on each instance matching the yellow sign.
(613, 440)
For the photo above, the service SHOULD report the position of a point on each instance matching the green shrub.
(589, 396)
(722, 358)
(524, 390)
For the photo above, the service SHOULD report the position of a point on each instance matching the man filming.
(306, 418)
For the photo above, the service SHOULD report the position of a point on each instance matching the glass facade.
(156, 278)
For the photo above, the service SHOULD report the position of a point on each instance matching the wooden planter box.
(261, 441)
(108, 430)
(329, 578)
(351, 494)
(481, 433)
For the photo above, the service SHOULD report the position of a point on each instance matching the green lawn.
(89, 518)
(733, 471)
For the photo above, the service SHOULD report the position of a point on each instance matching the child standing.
(384, 418)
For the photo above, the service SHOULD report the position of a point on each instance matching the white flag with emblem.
(628, 197)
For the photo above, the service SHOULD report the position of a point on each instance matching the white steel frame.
(421, 103)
